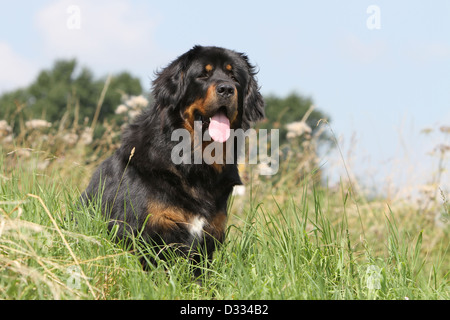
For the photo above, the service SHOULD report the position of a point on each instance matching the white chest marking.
(196, 226)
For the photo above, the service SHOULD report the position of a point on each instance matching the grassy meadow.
(289, 236)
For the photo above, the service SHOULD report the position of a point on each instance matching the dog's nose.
(225, 90)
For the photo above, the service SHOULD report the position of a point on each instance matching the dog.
(181, 205)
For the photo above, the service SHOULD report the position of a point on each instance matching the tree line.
(65, 85)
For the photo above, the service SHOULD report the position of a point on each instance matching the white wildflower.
(5, 129)
(86, 136)
(133, 113)
(132, 106)
(373, 277)
(137, 102)
(297, 129)
(70, 138)
(37, 124)
(121, 109)
(8, 139)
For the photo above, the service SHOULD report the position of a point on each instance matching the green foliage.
(63, 86)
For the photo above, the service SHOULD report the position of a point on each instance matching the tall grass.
(289, 236)
(304, 247)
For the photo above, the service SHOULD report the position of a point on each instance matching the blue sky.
(381, 87)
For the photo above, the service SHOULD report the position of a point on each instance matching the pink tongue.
(219, 127)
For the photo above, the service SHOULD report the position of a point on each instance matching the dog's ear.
(253, 110)
(169, 84)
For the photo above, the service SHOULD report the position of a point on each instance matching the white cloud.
(16, 71)
(109, 36)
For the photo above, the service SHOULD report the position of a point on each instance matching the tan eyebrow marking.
(208, 67)
(229, 67)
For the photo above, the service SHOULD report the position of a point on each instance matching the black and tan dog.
(184, 204)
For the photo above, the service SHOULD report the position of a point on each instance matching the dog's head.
(213, 85)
